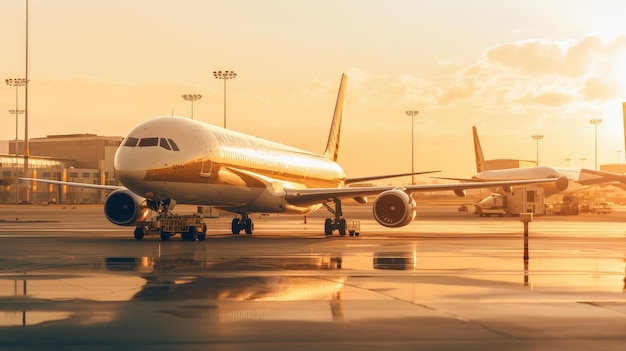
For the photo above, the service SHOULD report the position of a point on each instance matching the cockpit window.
(149, 142)
(163, 143)
(174, 146)
(131, 142)
(167, 144)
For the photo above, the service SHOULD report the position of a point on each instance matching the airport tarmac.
(448, 281)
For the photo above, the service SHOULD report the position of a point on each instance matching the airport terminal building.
(83, 158)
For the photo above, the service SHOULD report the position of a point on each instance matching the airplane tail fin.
(478, 152)
(334, 137)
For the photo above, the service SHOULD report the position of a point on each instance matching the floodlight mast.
(192, 98)
(537, 137)
(412, 114)
(16, 82)
(224, 75)
(595, 122)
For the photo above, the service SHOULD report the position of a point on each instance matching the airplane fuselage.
(197, 163)
(539, 172)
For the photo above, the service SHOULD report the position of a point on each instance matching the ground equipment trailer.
(190, 227)
(354, 228)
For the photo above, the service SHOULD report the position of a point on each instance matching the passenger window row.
(167, 144)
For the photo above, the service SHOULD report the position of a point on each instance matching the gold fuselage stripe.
(226, 174)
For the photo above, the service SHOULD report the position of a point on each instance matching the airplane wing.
(591, 177)
(317, 195)
(459, 179)
(387, 176)
(80, 185)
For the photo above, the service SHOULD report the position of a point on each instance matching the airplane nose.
(127, 170)
(129, 178)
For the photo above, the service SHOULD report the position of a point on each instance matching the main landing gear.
(341, 225)
(338, 223)
(245, 223)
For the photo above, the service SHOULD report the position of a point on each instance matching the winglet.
(334, 137)
(478, 152)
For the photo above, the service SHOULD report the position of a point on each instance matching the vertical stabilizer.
(478, 152)
(334, 137)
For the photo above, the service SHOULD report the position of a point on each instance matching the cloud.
(542, 73)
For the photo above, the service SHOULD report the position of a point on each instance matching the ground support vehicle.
(600, 208)
(568, 206)
(519, 200)
(190, 227)
(354, 228)
(494, 204)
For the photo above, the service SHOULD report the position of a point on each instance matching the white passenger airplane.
(577, 178)
(169, 160)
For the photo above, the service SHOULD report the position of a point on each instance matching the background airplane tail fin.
(478, 152)
(334, 137)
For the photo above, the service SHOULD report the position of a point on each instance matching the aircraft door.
(205, 145)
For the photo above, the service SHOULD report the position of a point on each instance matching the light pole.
(537, 138)
(412, 114)
(583, 162)
(26, 146)
(16, 82)
(567, 160)
(618, 152)
(15, 179)
(595, 122)
(192, 98)
(225, 75)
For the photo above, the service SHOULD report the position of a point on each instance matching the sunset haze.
(512, 69)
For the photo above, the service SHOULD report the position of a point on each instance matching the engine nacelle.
(394, 208)
(122, 207)
(562, 183)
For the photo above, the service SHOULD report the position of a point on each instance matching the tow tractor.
(190, 227)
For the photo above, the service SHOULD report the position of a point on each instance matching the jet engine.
(394, 208)
(562, 183)
(122, 207)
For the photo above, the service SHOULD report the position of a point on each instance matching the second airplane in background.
(569, 179)
(169, 160)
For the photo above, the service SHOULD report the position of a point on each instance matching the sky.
(511, 68)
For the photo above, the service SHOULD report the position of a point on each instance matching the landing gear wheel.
(248, 226)
(165, 236)
(202, 234)
(191, 234)
(139, 233)
(343, 225)
(236, 226)
(328, 227)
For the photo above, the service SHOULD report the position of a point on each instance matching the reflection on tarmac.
(454, 286)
